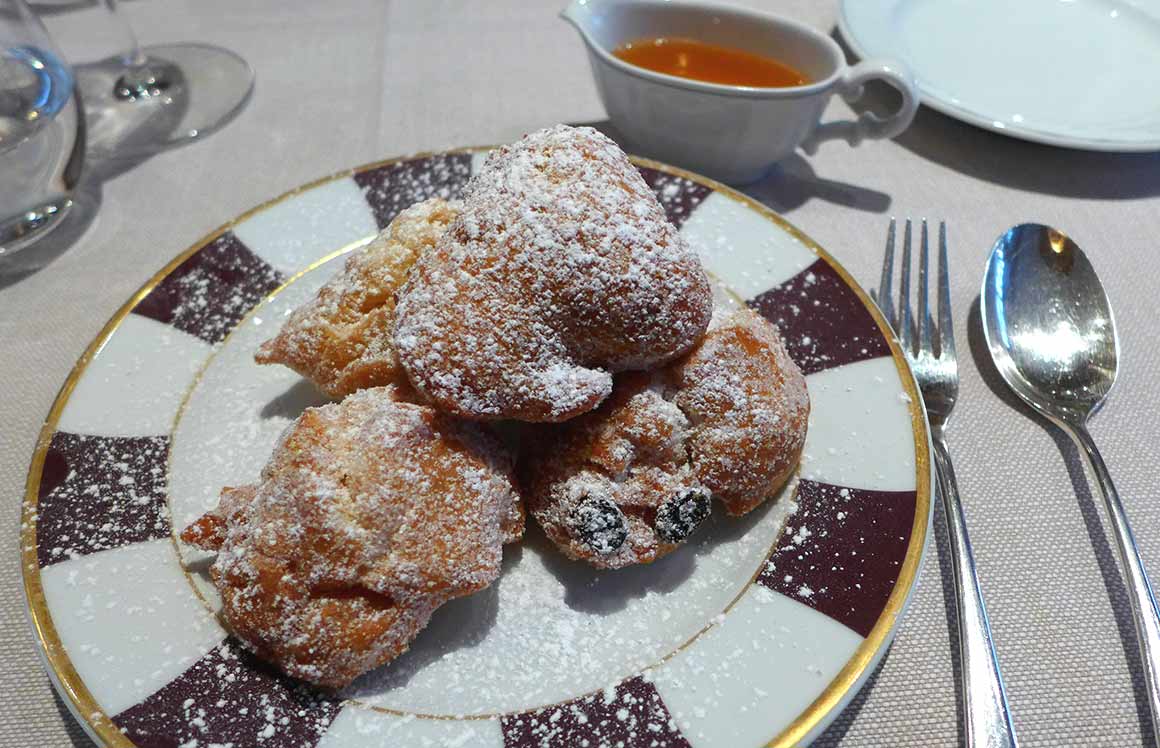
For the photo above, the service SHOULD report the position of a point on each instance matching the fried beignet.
(370, 514)
(596, 483)
(630, 481)
(749, 407)
(341, 339)
(560, 269)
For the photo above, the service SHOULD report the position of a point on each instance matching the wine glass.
(42, 135)
(151, 98)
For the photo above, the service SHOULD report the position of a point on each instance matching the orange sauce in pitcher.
(689, 58)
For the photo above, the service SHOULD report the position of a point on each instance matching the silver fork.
(985, 712)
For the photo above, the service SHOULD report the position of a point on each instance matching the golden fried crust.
(629, 451)
(341, 339)
(749, 402)
(371, 514)
(628, 482)
(560, 268)
(208, 532)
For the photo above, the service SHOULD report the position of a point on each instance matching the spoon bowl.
(1048, 323)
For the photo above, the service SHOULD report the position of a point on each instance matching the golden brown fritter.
(370, 514)
(628, 482)
(560, 269)
(341, 339)
(749, 407)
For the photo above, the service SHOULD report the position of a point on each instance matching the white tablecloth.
(352, 81)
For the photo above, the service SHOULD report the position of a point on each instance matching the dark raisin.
(680, 515)
(598, 523)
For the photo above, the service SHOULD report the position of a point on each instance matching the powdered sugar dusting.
(749, 407)
(842, 552)
(487, 653)
(370, 514)
(822, 320)
(677, 195)
(728, 421)
(392, 188)
(100, 492)
(580, 625)
(629, 456)
(560, 269)
(229, 698)
(630, 713)
(341, 339)
(208, 293)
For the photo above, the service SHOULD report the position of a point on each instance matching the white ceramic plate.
(746, 636)
(1074, 73)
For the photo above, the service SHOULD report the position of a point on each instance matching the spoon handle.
(1144, 610)
(985, 711)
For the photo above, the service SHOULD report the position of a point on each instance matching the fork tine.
(925, 342)
(885, 297)
(946, 326)
(903, 326)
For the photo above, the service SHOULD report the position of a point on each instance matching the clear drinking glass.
(150, 98)
(42, 136)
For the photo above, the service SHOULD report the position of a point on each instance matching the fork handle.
(985, 711)
(1144, 611)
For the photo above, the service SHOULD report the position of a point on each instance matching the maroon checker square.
(209, 293)
(841, 551)
(230, 697)
(394, 187)
(630, 715)
(822, 320)
(98, 493)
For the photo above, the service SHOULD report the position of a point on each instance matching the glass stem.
(132, 56)
(138, 79)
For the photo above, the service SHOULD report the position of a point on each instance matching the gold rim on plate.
(81, 702)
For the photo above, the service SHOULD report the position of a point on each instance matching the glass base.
(185, 91)
(31, 226)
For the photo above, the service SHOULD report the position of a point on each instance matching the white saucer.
(1073, 73)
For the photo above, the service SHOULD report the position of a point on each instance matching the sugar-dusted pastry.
(628, 482)
(560, 269)
(748, 403)
(341, 339)
(613, 487)
(370, 514)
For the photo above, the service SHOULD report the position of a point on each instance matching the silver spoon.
(1051, 334)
